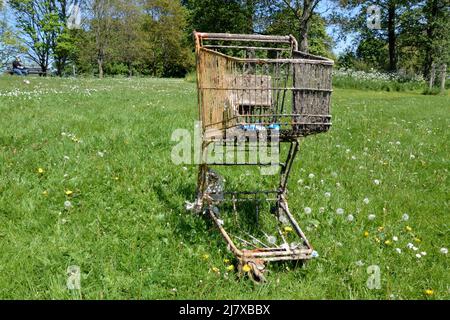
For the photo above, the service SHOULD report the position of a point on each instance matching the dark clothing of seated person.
(18, 68)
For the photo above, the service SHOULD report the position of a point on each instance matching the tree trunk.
(100, 68)
(432, 75)
(308, 7)
(443, 76)
(429, 60)
(392, 38)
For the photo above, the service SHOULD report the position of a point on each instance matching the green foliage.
(285, 22)
(219, 16)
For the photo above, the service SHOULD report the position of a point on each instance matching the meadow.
(86, 180)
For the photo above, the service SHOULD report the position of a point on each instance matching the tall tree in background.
(390, 11)
(165, 27)
(286, 22)
(437, 46)
(36, 22)
(102, 14)
(129, 36)
(303, 11)
(234, 16)
(43, 24)
(10, 44)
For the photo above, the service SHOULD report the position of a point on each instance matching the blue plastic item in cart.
(252, 127)
(274, 126)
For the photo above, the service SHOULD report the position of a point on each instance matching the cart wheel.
(255, 273)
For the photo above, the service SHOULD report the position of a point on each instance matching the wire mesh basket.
(261, 82)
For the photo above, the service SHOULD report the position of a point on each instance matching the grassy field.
(105, 147)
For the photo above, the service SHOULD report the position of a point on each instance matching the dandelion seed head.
(371, 217)
(444, 251)
(308, 210)
(340, 211)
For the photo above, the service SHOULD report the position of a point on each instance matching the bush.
(377, 81)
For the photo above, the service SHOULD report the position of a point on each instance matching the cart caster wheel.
(255, 273)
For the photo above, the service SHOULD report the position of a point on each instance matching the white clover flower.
(412, 157)
(444, 250)
(308, 210)
(415, 248)
(353, 158)
(311, 176)
(68, 204)
(66, 158)
(350, 218)
(418, 256)
(340, 211)
(377, 182)
(327, 194)
(405, 217)
(338, 184)
(321, 209)
(398, 250)
(394, 238)
(423, 253)
(366, 200)
(101, 154)
(410, 245)
(359, 263)
(371, 217)
(300, 181)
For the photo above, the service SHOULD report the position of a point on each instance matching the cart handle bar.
(199, 36)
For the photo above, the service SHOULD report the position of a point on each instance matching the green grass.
(128, 230)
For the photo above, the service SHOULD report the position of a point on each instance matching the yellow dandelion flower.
(69, 193)
(226, 260)
(380, 229)
(417, 240)
(45, 193)
(366, 234)
(388, 242)
(246, 268)
(216, 270)
(116, 178)
(230, 268)
(429, 292)
(377, 240)
(408, 228)
(205, 256)
(40, 170)
(288, 229)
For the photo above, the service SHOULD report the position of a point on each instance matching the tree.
(286, 22)
(232, 16)
(130, 38)
(303, 11)
(165, 25)
(10, 44)
(390, 12)
(102, 13)
(43, 25)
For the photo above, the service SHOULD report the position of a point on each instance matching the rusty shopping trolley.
(255, 91)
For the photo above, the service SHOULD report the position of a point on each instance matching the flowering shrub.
(351, 79)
